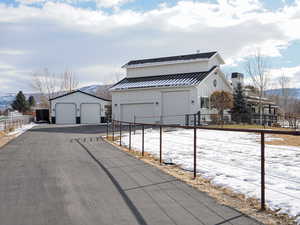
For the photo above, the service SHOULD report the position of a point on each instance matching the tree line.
(22, 104)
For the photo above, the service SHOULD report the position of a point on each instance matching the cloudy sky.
(94, 38)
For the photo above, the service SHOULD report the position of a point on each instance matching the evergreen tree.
(31, 101)
(240, 111)
(20, 103)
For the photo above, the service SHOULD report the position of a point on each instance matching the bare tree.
(46, 84)
(221, 100)
(286, 93)
(68, 81)
(50, 85)
(258, 69)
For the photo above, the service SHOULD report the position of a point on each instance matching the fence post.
(120, 133)
(129, 136)
(195, 151)
(199, 118)
(262, 161)
(107, 128)
(160, 144)
(113, 130)
(143, 135)
(134, 120)
(195, 120)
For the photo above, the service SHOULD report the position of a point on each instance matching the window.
(215, 83)
(204, 102)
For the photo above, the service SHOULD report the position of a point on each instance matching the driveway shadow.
(70, 129)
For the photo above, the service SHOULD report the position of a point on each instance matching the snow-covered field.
(232, 159)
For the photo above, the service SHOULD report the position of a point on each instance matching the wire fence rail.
(116, 128)
(10, 123)
(241, 119)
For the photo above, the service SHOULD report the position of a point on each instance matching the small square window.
(204, 102)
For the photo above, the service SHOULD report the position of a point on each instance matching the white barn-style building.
(166, 89)
(78, 107)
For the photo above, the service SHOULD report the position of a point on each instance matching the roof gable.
(78, 91)
(179, 58)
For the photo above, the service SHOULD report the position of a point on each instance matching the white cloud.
(111, 3)
(99, 3)
(105, 73)
(291, 72)
(11, 52)
(59, 35)
(29, 2)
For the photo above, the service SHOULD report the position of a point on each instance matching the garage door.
(144, 112)
(175, 105)
(65, 113)
(90, 113)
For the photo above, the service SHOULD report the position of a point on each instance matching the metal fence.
(206, 119)
(116, 130)
(11, 123)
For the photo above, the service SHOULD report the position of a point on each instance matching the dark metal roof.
(72, 92)
(170, 80)
(204, 55)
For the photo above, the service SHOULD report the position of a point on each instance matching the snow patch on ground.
(232, 159)
(17, 132)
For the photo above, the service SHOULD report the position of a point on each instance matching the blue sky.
(94, 38)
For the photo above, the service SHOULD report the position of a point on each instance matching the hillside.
(295, 92)
(6, 99)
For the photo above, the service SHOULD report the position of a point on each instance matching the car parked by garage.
(78, 107)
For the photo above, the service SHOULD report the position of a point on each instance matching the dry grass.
(249, 126)
(4, 138)
(110, 138)
(289, 140)
(224, 196)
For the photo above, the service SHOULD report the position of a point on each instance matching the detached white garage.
(78, 107)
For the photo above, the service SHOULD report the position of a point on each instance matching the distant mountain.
(99, 90)
(294, 92)
(92, 89)
(6, 99)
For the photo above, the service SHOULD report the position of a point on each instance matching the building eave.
(163, 63)
(78, 91)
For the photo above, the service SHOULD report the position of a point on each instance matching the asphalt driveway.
(68, 175)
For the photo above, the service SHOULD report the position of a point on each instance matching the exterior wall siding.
(206, 88)
(139, 96)
(168, 69)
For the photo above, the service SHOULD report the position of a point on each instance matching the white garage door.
(144, 112)
(90, 113)
(174, 106)
(65, 113)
